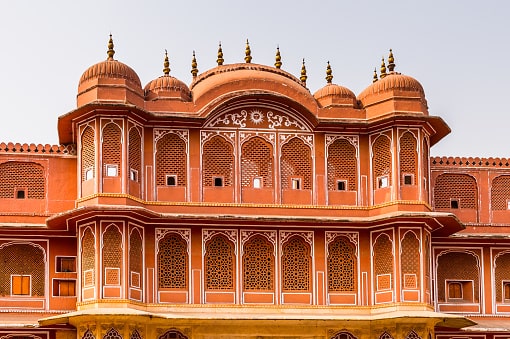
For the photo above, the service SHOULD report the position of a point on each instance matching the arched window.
(257, 162)
(173, 334)
(410, 261)
(22, 180)
(112, 334)
(88, 257)
(135, 154)
(258, 265)
(383, 263)
(135, 259)
(171, 161)
(23, 270)
(88, 151)
(218, 163)
(502, 277)
(296, 165)
(460, 270)
(342, 265)
(296, 265)
(342, 166)
(381, 162)
(219, 264)
(455, 191)
(88, 335)
(343, 335)
(408, 159)
(500, 193)
(173, 262)
(112, 256)
(112, 150)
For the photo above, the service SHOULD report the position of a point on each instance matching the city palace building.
(245, 206)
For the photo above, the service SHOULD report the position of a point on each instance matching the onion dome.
(167, 86)
(110, 69)
(333, 94)
(393, 84)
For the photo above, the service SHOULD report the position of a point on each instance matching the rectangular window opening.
(171, 180)
(111, 170)
(408, 179)
(89, 173)
(508, 204)
(20, 194)
(64, 288)
(383, 182)
(20, 285)
(257, 182)
(66, 264)
(133, 174)
(218, 181)
(454, 203)
(296, 183)
(341, 185)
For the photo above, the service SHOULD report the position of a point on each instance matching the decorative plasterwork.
(269, 235)
(352, 236)
(183, 232)
(207, 234)
(207, 135)
(306, 235)
(306, 138)
(159, 133)
(269, 137)
(352, 139)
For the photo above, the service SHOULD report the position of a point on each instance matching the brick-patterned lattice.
(500, 193)
(112, 334)
(88, 335)
(172, 335)
(296, 265)
(296, 161)
(135, 335)
(341, 266)
(425, 160)
(87, 152)
(342, 164)
(381, 158)
(502, 273)
(343, 335)
(427, 263)
(27, 176)
(257, 161)
(171, 159)
(258, 265)
(112, 254)
(410, 261)
(112, 147)
(22, 259)
(217, 161)
(135, 255)
(172, 262)
(408, 156)
(135, 151)
(455, 186)
(383, 260)
(412, 335)
(219, 264)
(88, 258)
(456, 266)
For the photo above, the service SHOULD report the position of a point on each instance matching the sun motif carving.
(256, 116)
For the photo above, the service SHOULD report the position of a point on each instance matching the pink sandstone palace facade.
(244, 206)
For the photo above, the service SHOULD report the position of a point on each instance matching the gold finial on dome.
(220, 59)
(391, 61)
(166, 64)
(303, 73)
(329, 74)
(278, 63)
(194, 69)
(383, 68)
(375, 78)
(247, 58)
(110, 51)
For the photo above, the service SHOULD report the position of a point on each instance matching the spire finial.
(194, 69)
(166, 64)
(303, 73)
(383, 68)
(110, 51)
(278, 63)
(391, 61)
(247, 58)
(220, 60)
(375, 78)
(329, 74)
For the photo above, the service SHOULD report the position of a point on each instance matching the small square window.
(218, 181)
(506, 291)
(20, 194)
(171, 180)
(133, 174)
(508, 204)
(257, 182)
(111, 170)
(408, 179)
(89, 173)
(296, 183)
(383, 182)
(64, 288)
(66, 264)
(341, 185)
(20, 285)
(454, 203)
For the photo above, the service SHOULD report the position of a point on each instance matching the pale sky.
(458, 50)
